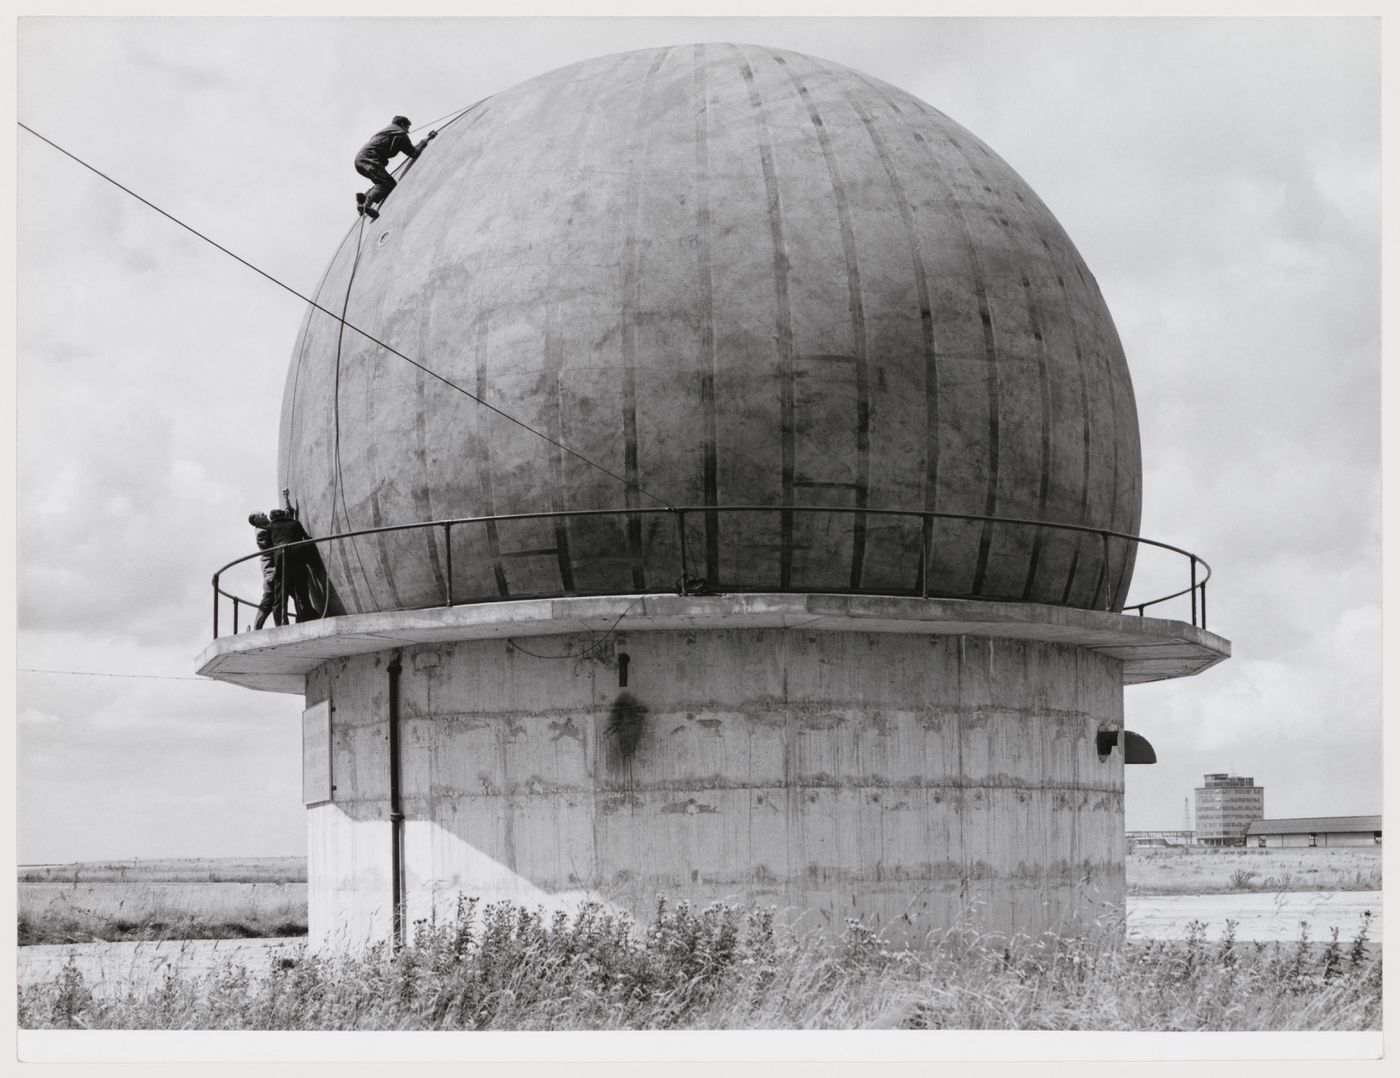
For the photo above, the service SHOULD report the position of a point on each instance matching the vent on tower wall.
(1136, 748)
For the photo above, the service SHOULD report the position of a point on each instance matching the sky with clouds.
(1221, 178)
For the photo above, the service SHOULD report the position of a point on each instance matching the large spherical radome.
(729, 276)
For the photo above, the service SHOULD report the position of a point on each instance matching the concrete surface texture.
(731, 275)
(909, 780)
(278, 660)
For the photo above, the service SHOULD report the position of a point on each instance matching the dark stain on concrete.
(564, 729)
(689, 807)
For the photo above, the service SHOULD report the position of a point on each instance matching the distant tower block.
(1225, 807)
(789, 300)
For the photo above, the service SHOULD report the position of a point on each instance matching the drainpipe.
(395, 802)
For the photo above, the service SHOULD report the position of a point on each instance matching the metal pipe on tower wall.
(395, 804)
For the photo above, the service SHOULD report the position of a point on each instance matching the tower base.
(913, 763)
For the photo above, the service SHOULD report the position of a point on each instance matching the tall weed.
(507, 967)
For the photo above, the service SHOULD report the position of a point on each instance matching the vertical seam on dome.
(488, 488)
(859, 343)
(288, 481)
(705, 273)
(1087, 438)
(931, 399)
(301, 356)
(989, 351)
(1135, 473)
(378, 543)
(553, 416)
(784, 316)
(638, 141)
(338, 483)
(1123, 563)
(1042, 366)
(422, 491)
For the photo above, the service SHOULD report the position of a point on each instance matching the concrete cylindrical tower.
(721, 276)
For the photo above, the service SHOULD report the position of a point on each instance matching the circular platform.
(278, 659)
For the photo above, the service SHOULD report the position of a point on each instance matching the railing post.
(1203, 604)
(1103, 570)
(216, 606)
(1193, 589)
(235, 615)
(1108, 593)
(447, 540)
(685, 559)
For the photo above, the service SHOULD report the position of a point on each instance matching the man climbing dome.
(373, 159)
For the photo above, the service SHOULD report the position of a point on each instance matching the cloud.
(32, 716)
(1221, 178)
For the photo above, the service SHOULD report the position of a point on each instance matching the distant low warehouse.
(1317, 831)
(1139, 839)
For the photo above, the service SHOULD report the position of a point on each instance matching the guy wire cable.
(363, 333)
(102, 673)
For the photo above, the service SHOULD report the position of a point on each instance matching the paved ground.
(1259, 916)
(104, 965)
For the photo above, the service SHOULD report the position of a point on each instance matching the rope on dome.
(455, 116)
(338, 485)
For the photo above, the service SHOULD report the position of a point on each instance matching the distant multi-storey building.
(1225, 806)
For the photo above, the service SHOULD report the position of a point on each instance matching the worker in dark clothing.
(372, 162)
(283, 528)
(268, 603)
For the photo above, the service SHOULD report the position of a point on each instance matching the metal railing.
(686, 583)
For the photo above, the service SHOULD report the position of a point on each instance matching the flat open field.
(509, 968)
(113, 968)
(1214, 941)
(1197, 871)
(172, 870)
(229, 898)
(146, 900)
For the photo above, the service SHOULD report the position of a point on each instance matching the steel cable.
(350, 325)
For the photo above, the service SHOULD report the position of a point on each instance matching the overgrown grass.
(112, 911)
(505, 967)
